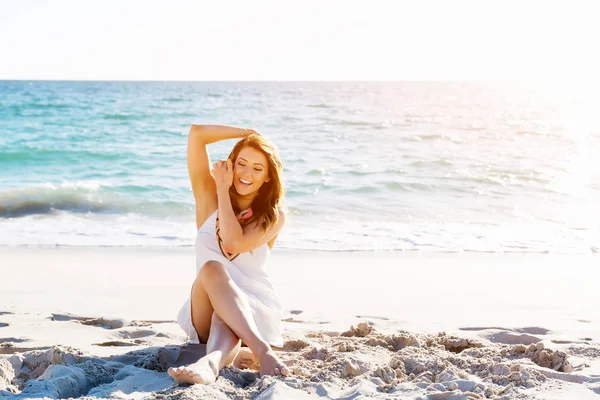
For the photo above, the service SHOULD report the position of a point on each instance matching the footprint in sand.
(106, 323)
(100, 322)
(372, 317)
(150, 322)
(6, 313)
(9, 348)
(533, 330)
(481, 328)
(136, 334)
(509, 336)
(299, 321)
(292, 319)
(3, 324)
(13, 340)
(296, 312)
(118, 343)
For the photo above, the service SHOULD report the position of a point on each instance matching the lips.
(245, 182)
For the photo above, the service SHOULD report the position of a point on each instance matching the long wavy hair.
(271, 195)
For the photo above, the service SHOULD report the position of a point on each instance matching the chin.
(244, 191)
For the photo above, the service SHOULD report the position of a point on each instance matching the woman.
(238, 215)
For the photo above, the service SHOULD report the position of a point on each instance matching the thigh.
(202, 310)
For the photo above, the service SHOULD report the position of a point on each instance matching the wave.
(15, 208)
(407, 187)
(85, 198)
(308, 249)
(43, 155)
(428, 163)
(418, 138)
(123, 117)
(535, 133)
(316, 172)
(353, 123)
(46, 106)
(420, 250)
(174, 100)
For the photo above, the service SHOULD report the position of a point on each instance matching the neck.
(244, 202)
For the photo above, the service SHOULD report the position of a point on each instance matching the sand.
(99, 323)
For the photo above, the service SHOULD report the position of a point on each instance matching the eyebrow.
(242, 158)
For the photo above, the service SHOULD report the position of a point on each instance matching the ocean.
(402, 166)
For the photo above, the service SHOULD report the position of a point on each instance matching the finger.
(229, 165)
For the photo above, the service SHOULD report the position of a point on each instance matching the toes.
(281, 370)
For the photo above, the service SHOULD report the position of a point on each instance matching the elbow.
(196, 133)
(195, 129)
(233, 246)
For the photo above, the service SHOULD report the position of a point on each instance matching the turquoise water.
(368, 166)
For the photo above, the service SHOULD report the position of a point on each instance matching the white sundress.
(248, 273)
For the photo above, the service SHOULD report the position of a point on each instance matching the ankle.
(261, 348)
(214, 360)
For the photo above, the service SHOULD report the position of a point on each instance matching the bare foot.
(245, 359)
(270, 365)
(203, 371)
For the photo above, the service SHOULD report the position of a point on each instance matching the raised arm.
(198, 161)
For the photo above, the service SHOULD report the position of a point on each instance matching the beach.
(97, 322)
(439, 175)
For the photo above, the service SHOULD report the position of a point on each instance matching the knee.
(211, 270)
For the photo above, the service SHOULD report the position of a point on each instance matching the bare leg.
(214, 288)
(232, 306)
(221, 349)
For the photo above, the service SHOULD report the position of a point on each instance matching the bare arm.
(198, 161)
(235, 238)
(197, 153)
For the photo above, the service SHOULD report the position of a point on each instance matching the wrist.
(248, 132)
(223, 190)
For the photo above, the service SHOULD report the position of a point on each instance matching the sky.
(298, 40)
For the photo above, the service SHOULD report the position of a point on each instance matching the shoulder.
(282, 215)
(281, 219)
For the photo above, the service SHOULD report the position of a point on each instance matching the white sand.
(100, 322)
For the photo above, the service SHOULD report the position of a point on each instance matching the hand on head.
(250, 132)
(223, 173)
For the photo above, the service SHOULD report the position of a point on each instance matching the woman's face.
(250, 171)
